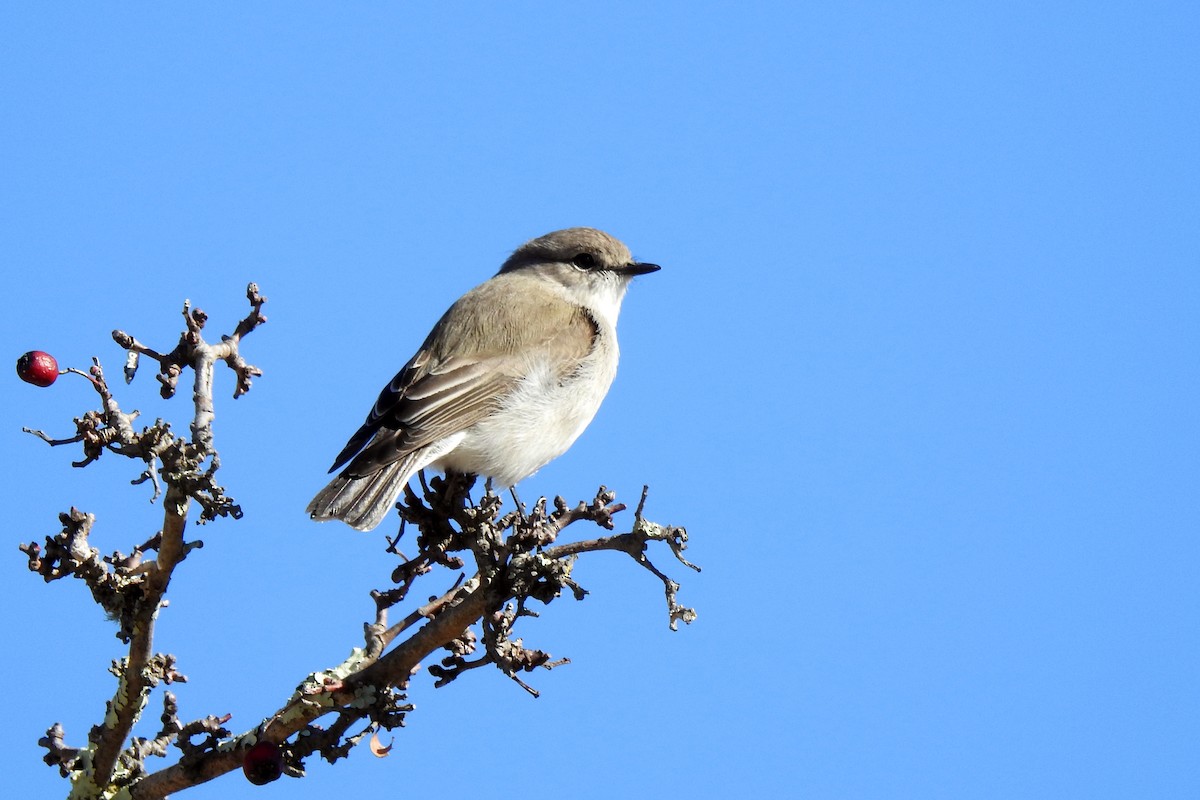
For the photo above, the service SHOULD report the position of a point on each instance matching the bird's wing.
(437, 394)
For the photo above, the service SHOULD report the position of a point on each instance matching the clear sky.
(921, 373)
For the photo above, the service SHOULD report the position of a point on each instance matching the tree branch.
(516, 559)
(369, 685)
(130, 589)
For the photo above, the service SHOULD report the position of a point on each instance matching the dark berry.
(263, 763)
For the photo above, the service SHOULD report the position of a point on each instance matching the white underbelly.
(535, 424)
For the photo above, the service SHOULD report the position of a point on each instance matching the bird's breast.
(539, 419)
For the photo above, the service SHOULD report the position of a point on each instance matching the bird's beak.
(638, 268)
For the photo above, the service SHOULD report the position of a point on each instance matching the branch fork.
(494, 567)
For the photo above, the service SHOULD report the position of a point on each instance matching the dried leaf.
(131, 365)
(377, 747)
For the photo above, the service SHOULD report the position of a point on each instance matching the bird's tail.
(362, 502)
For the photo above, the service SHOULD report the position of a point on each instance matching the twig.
(517, 559)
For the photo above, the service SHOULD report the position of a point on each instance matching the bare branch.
(516, 561)
(58, 754)
(131, 589)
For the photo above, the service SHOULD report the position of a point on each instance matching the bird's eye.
(584, 261)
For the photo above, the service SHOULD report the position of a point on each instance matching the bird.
(506, 381)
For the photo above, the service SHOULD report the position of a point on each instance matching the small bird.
(505, 382)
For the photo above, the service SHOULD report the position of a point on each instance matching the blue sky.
(920, 373)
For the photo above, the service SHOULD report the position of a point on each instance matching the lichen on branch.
(131, 589)
(489, 567)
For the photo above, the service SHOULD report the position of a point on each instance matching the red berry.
(37, 368)
(263, 763)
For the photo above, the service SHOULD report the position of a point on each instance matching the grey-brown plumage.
(507, 379)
